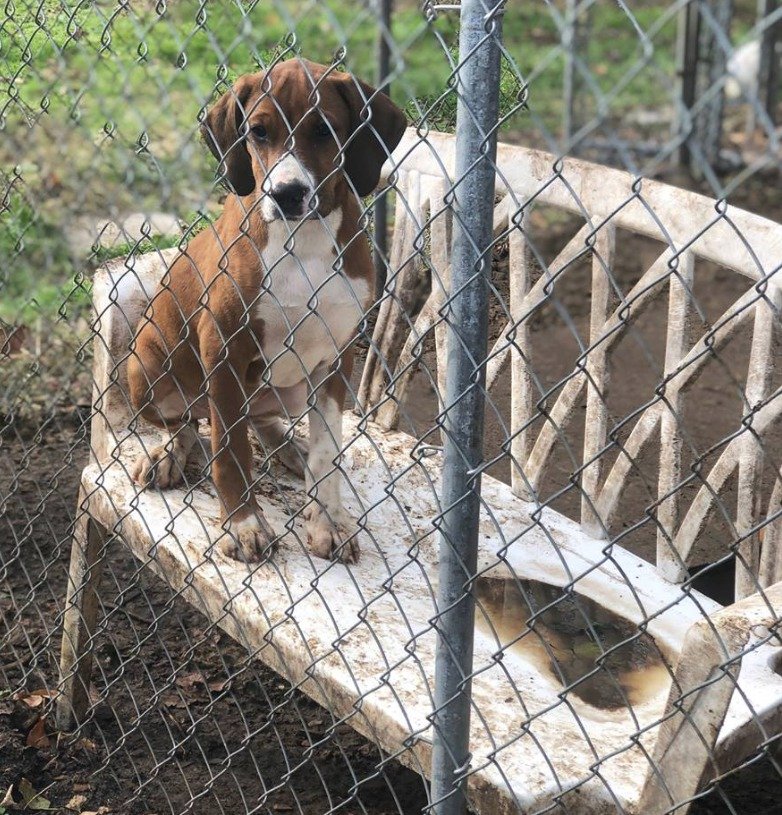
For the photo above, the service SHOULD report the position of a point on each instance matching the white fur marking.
(309, 308)
(288, 170)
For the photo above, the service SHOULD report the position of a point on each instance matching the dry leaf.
(30, 798)
(8, 799)
(47, 694)
(36, 737)
(189, 681)
(34, 698)
(12, 339)
(172, 700)
(76, 802)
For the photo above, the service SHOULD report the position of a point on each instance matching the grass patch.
(103, 102)
(35, 277)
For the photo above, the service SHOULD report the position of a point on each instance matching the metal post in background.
(384, 8)
(768, 85)
(702, 65)
(686, 71)
(710, 121)
(575, 41)
(478, 85)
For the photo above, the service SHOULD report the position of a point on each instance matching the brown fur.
(194, 351)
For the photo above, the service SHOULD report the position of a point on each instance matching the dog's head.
(299, 131)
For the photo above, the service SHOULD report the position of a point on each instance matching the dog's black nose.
(290, 198)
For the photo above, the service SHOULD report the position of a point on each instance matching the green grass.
(107, 104)
(33, 264)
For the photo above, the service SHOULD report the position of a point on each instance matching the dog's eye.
(260, 132)
(322, 130)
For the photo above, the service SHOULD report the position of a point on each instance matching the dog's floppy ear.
(222, 132)
(376, 127)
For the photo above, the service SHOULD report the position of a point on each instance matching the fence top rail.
(726, 235)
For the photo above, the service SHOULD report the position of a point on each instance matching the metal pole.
(476, 147)
(384, 9)
(769, 60)
(711, 125)
(578, 16)
(687, 41)
(702, 64)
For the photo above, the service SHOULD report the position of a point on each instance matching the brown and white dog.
(253, 322)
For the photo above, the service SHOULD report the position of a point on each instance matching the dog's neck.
(284, 237)
(303, 237)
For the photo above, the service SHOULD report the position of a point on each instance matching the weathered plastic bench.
(359, 639)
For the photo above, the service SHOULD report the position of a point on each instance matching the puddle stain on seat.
(609, 663)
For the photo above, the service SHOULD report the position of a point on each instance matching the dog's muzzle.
(291, 200)
(289, 191)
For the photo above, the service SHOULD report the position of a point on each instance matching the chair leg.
(81, 611)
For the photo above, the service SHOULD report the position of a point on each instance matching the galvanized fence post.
(478, 85)
(769, 58)
(383, 56)
(704, 27)
(575, 104)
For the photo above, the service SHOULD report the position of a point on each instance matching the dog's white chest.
(309, 307)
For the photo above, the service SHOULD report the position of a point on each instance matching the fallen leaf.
(34, 698)
(76, 802)
(8, 799)
(189, 681)
(172, 700)
(81, 787)
(36, 737)
(12, 338)
(30, 798)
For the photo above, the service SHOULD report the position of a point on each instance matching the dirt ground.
(185, 716)
(200, 689)
(184, 712)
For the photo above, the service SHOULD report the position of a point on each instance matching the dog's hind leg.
(164, 466)
(159, 399)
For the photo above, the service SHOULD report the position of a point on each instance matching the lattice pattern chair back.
(352, 652)
(694, 228)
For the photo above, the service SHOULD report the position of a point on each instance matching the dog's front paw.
(328, 537)
(250, 539)
(163, 467)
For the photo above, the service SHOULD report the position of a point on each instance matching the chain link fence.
(388, 407)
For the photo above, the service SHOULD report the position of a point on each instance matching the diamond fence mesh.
(396, 470)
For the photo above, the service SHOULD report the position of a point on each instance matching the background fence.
(102, 160)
